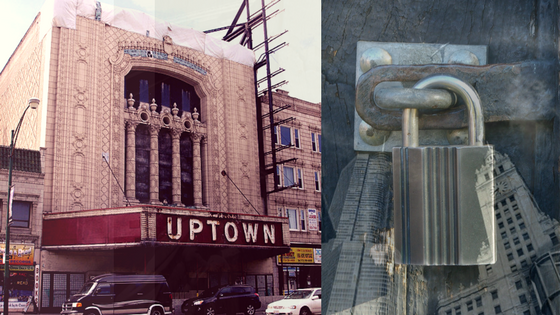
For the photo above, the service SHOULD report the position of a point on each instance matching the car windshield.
(300, 294)
(87, 286)
(209, 292)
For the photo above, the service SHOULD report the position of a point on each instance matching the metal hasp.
(443, 195)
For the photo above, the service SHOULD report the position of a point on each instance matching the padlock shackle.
(468, 94)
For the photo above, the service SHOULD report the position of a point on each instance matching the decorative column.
(197, 169)
(176, 166)
(154, 164)
(131, 159)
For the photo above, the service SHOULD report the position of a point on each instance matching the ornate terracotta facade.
(88, 120)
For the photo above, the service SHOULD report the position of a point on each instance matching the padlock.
(443, 195)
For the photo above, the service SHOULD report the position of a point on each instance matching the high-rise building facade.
(523, 235)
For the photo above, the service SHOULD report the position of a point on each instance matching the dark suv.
(121, 294)
(229, 299)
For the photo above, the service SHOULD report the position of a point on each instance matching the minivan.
(121, 294)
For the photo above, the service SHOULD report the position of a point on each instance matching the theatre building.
(149, 138)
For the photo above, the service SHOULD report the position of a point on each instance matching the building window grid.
(317, 177)
(518, 284)
(509, 221)
(316, 142)
(478, 302)
(498, 309)
(302, 220)
(469, 306)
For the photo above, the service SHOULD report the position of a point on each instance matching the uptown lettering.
(230, 230)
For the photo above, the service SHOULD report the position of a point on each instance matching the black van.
(121, 294)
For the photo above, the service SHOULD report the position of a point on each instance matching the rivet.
(373, 136)
(374, 57)
(464, 57)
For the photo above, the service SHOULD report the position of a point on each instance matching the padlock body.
(443, 201)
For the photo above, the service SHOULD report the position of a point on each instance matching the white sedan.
(300, 302)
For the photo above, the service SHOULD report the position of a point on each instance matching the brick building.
(298, 141)
(25, 229)
(145, 128)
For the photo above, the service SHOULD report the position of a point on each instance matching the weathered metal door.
(519, 91)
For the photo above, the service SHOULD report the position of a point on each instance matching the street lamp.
(33, 103)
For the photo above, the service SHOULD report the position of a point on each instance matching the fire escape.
(265, 121)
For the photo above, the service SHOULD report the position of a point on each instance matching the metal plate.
(409, 54)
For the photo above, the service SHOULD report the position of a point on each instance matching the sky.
(301, 59)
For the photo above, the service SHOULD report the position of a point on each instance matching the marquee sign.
(217, 230)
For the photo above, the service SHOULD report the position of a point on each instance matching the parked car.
(300, 302)
(121, 294)
(229, 299)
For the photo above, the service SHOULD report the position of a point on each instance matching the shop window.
(292, 218)
(263, 284)
(21, 211)
(57, 287)
(302, 220)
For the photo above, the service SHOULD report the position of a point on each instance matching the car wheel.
(210, 310)
(156, 311)
(304, 311)
(250, 309)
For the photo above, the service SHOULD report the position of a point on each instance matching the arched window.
(160, 141)
(166, 90)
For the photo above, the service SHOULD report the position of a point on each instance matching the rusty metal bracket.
(517, 91)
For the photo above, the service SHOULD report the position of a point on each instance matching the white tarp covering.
(64, 12)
